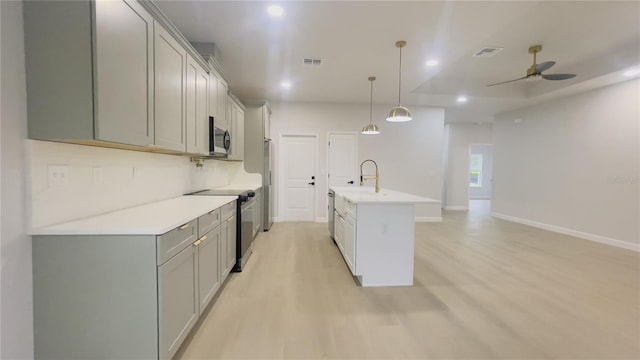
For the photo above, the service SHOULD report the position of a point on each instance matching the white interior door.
(298, 164)
(343, 159)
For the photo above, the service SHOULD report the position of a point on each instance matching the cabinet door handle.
(212, 211)
(202, 239)
(184, 226)
(198, 242)
(231, 219)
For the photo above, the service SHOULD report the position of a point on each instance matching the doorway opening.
(480, 178)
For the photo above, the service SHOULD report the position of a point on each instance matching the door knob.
(313, 178)
(350, 182)
(312, 183)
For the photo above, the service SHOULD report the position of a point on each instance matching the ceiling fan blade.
(504, 82)
(558, 76)
(544, 66)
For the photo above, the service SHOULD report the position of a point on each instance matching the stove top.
(235, 192)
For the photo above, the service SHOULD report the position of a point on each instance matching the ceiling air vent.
(312, 62)
(488, 51)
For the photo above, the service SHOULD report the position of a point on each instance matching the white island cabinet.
(375, 233)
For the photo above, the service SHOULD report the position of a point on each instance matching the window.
(475, 170)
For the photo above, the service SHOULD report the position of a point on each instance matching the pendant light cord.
(400, 77)
(371, 103)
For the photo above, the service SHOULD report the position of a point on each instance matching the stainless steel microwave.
(219, 140)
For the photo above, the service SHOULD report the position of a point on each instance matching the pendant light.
(399, 113)
(370, 129)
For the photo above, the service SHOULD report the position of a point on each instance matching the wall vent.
(311, 62)
(487, 51)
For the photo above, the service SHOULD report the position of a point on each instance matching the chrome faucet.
(370, 177)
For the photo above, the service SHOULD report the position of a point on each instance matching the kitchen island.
(375, 233)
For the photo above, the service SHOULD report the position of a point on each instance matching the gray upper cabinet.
(89, 71)
(197, 106)
(257, 120)
(222, 120)
(214, 78)
(235, 116)
(124, 69)
(170, 83)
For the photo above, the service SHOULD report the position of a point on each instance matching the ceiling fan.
(534, 72)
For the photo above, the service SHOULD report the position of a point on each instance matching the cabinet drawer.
(228, 210)
(350, 208)
(208, 221)
(339, 204)
(172, 242)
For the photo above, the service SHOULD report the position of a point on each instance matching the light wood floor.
(484, 289)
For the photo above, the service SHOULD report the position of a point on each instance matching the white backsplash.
(101, 180)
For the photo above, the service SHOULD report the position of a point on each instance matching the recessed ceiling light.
(275, 10)
(632, 72)
(286, 84)
(462, 99)
(432, 62)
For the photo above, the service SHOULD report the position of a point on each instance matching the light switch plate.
(58, 175)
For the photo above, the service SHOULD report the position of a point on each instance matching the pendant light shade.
(370, 129)
(399, 113)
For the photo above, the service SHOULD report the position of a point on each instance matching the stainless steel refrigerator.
(266, 186)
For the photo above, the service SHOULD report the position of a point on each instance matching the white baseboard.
(428, 219)
(322, 220)
(457, 208)
(570, 232)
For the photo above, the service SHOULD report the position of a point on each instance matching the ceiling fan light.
(370, 129)
(534, 77)
(399, 114)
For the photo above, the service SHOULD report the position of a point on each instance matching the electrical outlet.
(58, 175)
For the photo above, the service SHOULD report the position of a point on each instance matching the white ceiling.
(357, 39)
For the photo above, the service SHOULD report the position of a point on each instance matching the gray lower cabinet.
(177, 299)
(232, 237)
(89, 68)
(228, 239)
(209, 276)
(128, 296)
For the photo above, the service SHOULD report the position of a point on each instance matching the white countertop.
(149, 219)
(251, 186)
(367, 195)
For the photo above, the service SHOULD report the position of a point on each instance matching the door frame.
(282, 179)
(469, 170)
(355, 165)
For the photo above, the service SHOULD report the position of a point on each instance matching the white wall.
(484, 190)
(461, 136)
(572, 165)
(409, 154)
(125, 179)
(15, 245)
